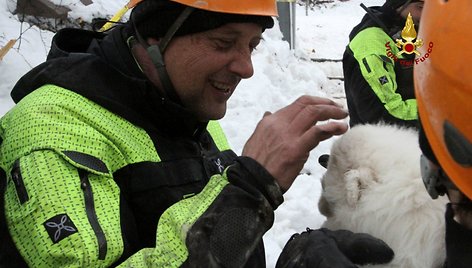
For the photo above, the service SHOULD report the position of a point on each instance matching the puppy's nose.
(323, 160)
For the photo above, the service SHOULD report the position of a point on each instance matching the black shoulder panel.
(87, 160)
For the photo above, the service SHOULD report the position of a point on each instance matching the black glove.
(324, 248)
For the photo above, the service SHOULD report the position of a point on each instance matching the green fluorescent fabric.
(369, 49)
(51, 121)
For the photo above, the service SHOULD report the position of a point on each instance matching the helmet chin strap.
(156, 52)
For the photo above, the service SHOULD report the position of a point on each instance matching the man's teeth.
(221, 86)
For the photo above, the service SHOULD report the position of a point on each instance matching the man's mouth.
(222, 86)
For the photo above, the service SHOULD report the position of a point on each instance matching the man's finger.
(312, 114)
(292, 110)
(312, 137)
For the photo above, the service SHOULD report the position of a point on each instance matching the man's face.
(206, 67)
(414, 9)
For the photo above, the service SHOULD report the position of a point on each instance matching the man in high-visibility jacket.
(378, 79)
(111, 155)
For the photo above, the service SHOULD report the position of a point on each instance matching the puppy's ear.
(356, 180)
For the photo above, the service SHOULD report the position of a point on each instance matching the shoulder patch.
(60, 227)
(383, 80)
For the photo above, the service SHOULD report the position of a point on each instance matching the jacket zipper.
(19, 184)
(92, 215)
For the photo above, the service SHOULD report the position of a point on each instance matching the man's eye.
(253, 45)
(224, 44)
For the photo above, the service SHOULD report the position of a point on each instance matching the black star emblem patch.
(59, 227)
(383, 80)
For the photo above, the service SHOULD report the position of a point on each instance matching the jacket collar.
(101, 68)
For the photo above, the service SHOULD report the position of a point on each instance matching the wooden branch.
(4, 50)
(326, 60)
(335, 78)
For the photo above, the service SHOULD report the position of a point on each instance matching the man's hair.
(394, 4)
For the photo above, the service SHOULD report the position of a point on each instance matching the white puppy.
(373, 185)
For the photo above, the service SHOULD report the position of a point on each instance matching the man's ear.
(356, 180)
(146, 65)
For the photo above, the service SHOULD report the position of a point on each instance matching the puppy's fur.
(373, 185)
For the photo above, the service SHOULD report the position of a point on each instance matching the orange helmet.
(443, 87)
(154, 18)
(246, 7)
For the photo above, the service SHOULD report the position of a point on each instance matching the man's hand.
(324, 248)
(283, 140)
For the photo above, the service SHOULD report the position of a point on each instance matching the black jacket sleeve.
(458, 243)
(229, 233)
